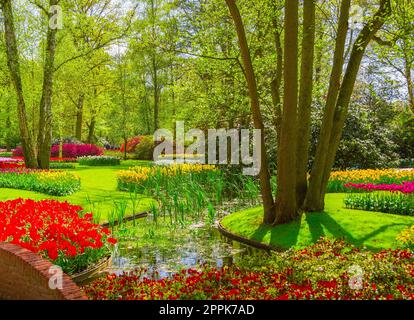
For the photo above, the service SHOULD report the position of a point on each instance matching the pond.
(164, 249)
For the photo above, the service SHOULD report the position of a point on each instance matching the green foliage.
(99, 161)
(387, 202)
(61, 165)
(145, 149)
(186, 196)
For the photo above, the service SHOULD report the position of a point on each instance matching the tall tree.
(44, 138)
(286, 203)
(13, 61)
(305, 100)
(319, 178)
(264, 175)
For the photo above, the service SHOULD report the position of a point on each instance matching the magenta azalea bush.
(69, 150)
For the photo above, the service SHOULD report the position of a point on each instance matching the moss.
(373, 230)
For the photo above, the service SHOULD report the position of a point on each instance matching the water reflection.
(188, 248)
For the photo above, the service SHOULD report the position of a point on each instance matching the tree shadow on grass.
(317, 222)
(283, 236)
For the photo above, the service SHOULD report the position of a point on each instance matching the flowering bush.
(99, 161)
(69, 150)
(55, 230)
(322, 271)
(338, 179)
(131, 144)
(76, 150)
(55, 183)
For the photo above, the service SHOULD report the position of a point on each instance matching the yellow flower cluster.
(373, 175)
(55, 176)
(138, 174)
(406, 237)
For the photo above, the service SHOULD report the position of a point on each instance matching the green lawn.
(98, 192)
(373, 230)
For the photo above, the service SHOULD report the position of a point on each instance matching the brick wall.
(25, 275)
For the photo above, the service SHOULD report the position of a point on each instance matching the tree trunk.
(29, 149)
(266, 190)
(277, 82)
(125, 148)
(313, 201)
(156, 93)
(91, 131)
(79, 116)
(286, 207)
(410, 85)
(305, 100)
(345, 94)
(45, 117)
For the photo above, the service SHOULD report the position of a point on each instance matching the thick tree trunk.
(79, 117)
(305, 100)
(29, 148)
(266, 190)
(44, 138)
(313, 201)
(286, 207)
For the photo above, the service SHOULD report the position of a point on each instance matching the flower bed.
(57, 231)
(406, 187)
(55, 183)
(381, 202)
(325, 270)
(387, 198)
(140, 178)
(69, 150)
(338, 179)
(9, 163)
(99, 161)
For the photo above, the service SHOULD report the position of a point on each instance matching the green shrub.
(99, 161)
(145, 149)
(62, 165)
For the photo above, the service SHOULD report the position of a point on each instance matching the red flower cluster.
(290, 281)
(11, 165)
(52, 228)
(52, 159)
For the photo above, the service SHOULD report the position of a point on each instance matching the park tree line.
(305, 72)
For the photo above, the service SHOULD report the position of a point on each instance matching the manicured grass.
(373, 230)
(98, 192)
